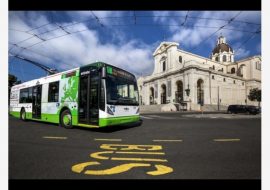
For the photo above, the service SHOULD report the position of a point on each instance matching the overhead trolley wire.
(249, 38)
(220, 28)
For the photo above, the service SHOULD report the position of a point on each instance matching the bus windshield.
(121, 91)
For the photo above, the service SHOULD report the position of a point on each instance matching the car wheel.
(66, 119)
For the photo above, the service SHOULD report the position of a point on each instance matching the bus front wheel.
(66, 119)
(23, 115)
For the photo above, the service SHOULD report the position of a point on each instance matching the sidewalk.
(183, 112)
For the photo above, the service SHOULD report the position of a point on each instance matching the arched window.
(200, 92)
(151, 97)
(163, 94)
(213, 67)
(217, 58)
(224, 58)
(164, 66)
(232, 70)
(213, 77)
(240, 70)
(180, 59)
(179, 91)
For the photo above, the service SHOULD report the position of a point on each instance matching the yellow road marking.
(97, 155)
(47, 137)
(176, 140)
(140, 159)
(78, 168)
(130, 147)
(161, 169)
(159, 153)
(114, 170)
(226, 140)
(122, 149)
(108, 139)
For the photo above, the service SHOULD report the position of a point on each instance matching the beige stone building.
(191, 80)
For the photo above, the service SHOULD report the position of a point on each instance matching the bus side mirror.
(103, 73)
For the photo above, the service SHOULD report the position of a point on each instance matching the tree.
(255, 95)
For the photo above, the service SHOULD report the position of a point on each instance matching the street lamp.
(187, 91)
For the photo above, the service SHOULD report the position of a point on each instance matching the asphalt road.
(173, 146)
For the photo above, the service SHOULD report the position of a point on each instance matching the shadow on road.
(110, 129)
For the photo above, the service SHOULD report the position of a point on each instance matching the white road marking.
(226, 140)
(168, 140)
(161, 117)
(144, 117)
(108, 139)
(61, 138)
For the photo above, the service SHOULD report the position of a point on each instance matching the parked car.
(253, 110)
(243, 109)
(236, 109)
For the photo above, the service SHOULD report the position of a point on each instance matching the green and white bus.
(94, 95)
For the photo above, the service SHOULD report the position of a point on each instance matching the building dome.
(221, 48)
(222, 52)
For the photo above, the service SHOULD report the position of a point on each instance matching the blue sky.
(69, 39)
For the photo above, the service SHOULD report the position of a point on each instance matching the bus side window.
(53, 94)
(23, 95)
(29, 99)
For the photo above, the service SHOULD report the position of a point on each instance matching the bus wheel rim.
(67, 119)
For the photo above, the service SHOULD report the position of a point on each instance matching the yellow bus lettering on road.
(130, 147)
(116, 154)
(97, 155)
(116, 170)
(79, 168)
(161, 170)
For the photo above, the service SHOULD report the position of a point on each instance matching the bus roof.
(57, 76)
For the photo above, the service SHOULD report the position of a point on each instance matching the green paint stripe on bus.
(15, 114)
(118, 120)
(54, 118)
(87, 125)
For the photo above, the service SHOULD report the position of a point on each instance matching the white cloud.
(190, 36)
(80, 48)
(241, 53)
(102, 15)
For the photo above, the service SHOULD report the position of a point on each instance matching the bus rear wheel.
(23, 115)
(66, 119)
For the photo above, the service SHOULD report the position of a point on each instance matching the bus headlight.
(109, 111)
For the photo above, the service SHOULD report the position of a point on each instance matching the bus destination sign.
(119, 73)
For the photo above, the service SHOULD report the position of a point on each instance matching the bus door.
(88, 99)
(36, 107)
